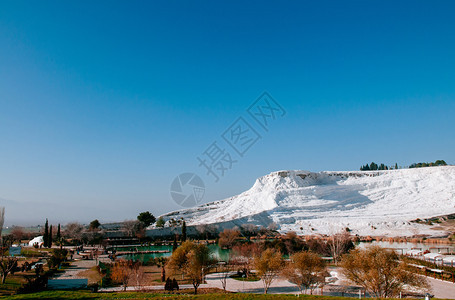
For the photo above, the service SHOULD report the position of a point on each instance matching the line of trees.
(48, 237)
(431, 164)
(378, 271)
(334, 246)
(73, 234)
(373, 166)
(94, 233)
(266, 257)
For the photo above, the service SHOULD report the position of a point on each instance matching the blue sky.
(102, 104)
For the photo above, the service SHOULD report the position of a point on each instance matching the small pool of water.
(223, 254)
(215, 250)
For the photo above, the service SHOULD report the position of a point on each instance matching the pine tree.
(49, 243)
(184, 231)
(396, 166)
(46, 234)
(373, 166)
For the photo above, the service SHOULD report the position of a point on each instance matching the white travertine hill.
(367, 202)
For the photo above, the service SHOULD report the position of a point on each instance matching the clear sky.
(102, 104)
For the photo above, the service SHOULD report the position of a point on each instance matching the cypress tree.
(184, 231)
(46, 234)
(49, 243)
(168, 284)
(58, 236)
(174, 246)
(175, 284)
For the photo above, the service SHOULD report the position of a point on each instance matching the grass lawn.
(139, 295)
(31, 252)
(11, 284)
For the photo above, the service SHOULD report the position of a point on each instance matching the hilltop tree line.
(374, 167)
(431, 164)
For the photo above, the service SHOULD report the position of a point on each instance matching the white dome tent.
(38, 240)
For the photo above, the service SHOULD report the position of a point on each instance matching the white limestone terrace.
(367, 202)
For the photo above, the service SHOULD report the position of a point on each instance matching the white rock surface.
(367, 202)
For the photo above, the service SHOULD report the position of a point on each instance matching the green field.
(143, 295)
(139, 295)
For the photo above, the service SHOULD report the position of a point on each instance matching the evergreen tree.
(168, 285)
(184, 231)
(175, 284)
(49, 242)
(146, 218)
(46, 234)
(396, 166)
(373, 166)
(440, 162)
(58, 236)
(174, 245)
(383, 167)
(95, 224)
(365, 168)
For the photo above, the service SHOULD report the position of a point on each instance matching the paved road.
(442, 289)
(75, 267)
(278, 286)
